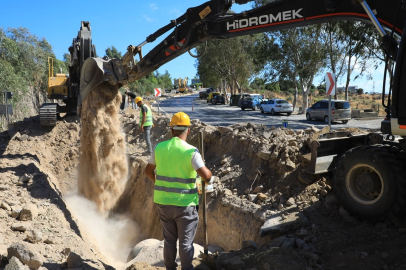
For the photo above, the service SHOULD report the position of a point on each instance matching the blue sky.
(114, 23)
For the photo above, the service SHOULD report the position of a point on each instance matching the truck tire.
(369, 181)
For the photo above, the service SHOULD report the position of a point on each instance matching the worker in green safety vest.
(177, 164)
(145, 122)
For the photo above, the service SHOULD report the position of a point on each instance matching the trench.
(228, 224)
(232, 153)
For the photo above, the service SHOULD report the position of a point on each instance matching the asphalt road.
(225, 115)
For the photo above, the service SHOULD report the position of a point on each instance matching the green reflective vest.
(148, 117)
(175, 182)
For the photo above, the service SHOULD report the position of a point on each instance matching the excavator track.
(48, 114)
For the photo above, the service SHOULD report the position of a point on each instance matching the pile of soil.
(260, 178)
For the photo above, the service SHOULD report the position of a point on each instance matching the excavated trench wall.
(240, 160)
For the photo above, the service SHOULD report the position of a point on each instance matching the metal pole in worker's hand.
(205, 241)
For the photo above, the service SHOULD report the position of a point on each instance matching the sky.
(119, 24)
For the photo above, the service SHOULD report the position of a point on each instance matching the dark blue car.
(251, 103)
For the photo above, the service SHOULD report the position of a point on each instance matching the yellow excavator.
(369, 175)
(180, 84)
(65, 87)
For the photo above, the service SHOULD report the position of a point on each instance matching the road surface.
(225, 115)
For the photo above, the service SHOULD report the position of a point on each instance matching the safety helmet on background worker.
(180, 121)
(138, 99)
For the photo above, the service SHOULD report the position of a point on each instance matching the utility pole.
(373, 88)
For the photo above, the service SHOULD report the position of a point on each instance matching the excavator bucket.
(96, 71)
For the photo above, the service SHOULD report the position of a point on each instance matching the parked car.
(340, 111)
(234, 99)
(246, 95)
(203, 94)
(250, 103)
(211, 95)
(276, 105)
(218, 99)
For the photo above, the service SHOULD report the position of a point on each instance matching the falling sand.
(102, 163)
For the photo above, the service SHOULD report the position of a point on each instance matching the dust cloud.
(113, 236)
(102, 163)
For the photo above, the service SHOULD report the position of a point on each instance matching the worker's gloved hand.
(211, 181)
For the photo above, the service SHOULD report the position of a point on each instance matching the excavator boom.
(211, 21)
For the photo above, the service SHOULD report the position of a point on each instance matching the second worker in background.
(145, 122)
(132, 96)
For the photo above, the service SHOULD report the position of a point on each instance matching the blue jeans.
(133, 105)
(147, 134)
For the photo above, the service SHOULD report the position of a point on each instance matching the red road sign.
(157, 92)
(330, 83)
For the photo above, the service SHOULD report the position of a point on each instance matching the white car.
(275, 106)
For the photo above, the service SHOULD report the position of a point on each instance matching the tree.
(113, 52)
(361, 38)
(66, 60)
(336, 46)
(300, 56)
(165, 80)
(146, 85)
(227, 63)
(27, 55)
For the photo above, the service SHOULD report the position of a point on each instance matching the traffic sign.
(330, 83)
(157, 92)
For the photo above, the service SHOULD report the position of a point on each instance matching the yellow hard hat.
(138, 99)
(180, 121)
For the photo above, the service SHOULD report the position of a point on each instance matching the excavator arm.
(204, 23)
(211, 20)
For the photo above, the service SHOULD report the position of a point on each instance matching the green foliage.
(113, 52)
(274, 87)
(24, 62)
(257, 84)
(322, 87)
(66, 61)
(146, 85)
(196, 85)
(285, 85)
(227, 61)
